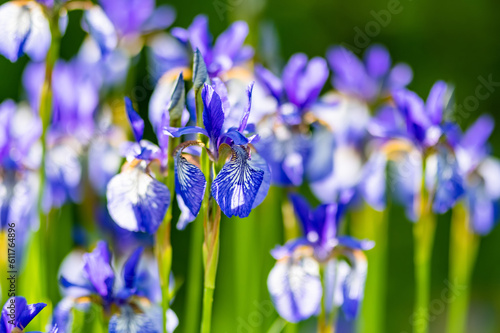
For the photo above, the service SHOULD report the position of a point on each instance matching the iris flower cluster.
(224, 130)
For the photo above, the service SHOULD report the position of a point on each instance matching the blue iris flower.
(295, 284)
(17, 314)
(416, 132)
(242, 183)
(136, 200)
(135, 293)
(290, 151)
(370, 79)
(481, 174)
(227, 51)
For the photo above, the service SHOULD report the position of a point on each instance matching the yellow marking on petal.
(396, 147)
(238, 73)
(172, 75)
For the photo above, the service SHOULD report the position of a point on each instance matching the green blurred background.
(456, 41)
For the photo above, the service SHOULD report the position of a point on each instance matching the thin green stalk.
(423, 233)
(463, 253)
(290, 225)
(42, 284)
(194, 277)
(371, 224)
(211, 252)
(163, 245)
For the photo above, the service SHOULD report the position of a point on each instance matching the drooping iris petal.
(101, 29)
(213, 114)
(38, 43)
(258, 162)
(135, 120)
(97, 266)
(190, 183)
(354, 284)
(172, 321)
(137, 201)
(237, 184)
(186, 215)
(25, 30)
(130, 321)
(295, 288)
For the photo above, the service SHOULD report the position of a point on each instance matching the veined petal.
(38, 42)
(237, 184)
(130, 321)
(98, 269)
(258, 162)
(101, 29)
(295, 288)
(15, 26)
(186, 215)
(135, 120)
(137, 201)
(190, 183)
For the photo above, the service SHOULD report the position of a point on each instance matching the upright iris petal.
(137, 201)
(295, 288)
(101, 29)
(98, 269)
(213, 114)
(237, 184)
(135, 120)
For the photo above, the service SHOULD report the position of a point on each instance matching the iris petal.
(213, 114)
(98, 269)
(354, 284)
(137, 201)
(295, 288)
(135, 120)
(128, 321)
(38, 41)
(15, 22)
(190, 183)
(101, 29)
(237, 184)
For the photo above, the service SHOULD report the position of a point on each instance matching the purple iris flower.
(136, 200)
(370, 79)
(137, 17)
(242, 183)
(227, 51)
(28, 30)
(93, 275)
(295, 284)
(284, 146)
(17, 314)
(420, 132)
(481, 174)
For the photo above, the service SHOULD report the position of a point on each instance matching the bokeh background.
(456, 41)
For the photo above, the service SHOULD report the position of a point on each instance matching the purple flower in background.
(284, 145)
(136, 200)
(242, 183)
(26, 30)
(227, 51)
(481, 174)
(295, 284)
(136, 17)
(17, 314)
(418, 130)
(370, 79)
(93, 275)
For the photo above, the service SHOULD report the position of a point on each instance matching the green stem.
(371, 224)
(463, 253)
(194, 277)
(423, 233)
(163, 245)
(290, 225)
